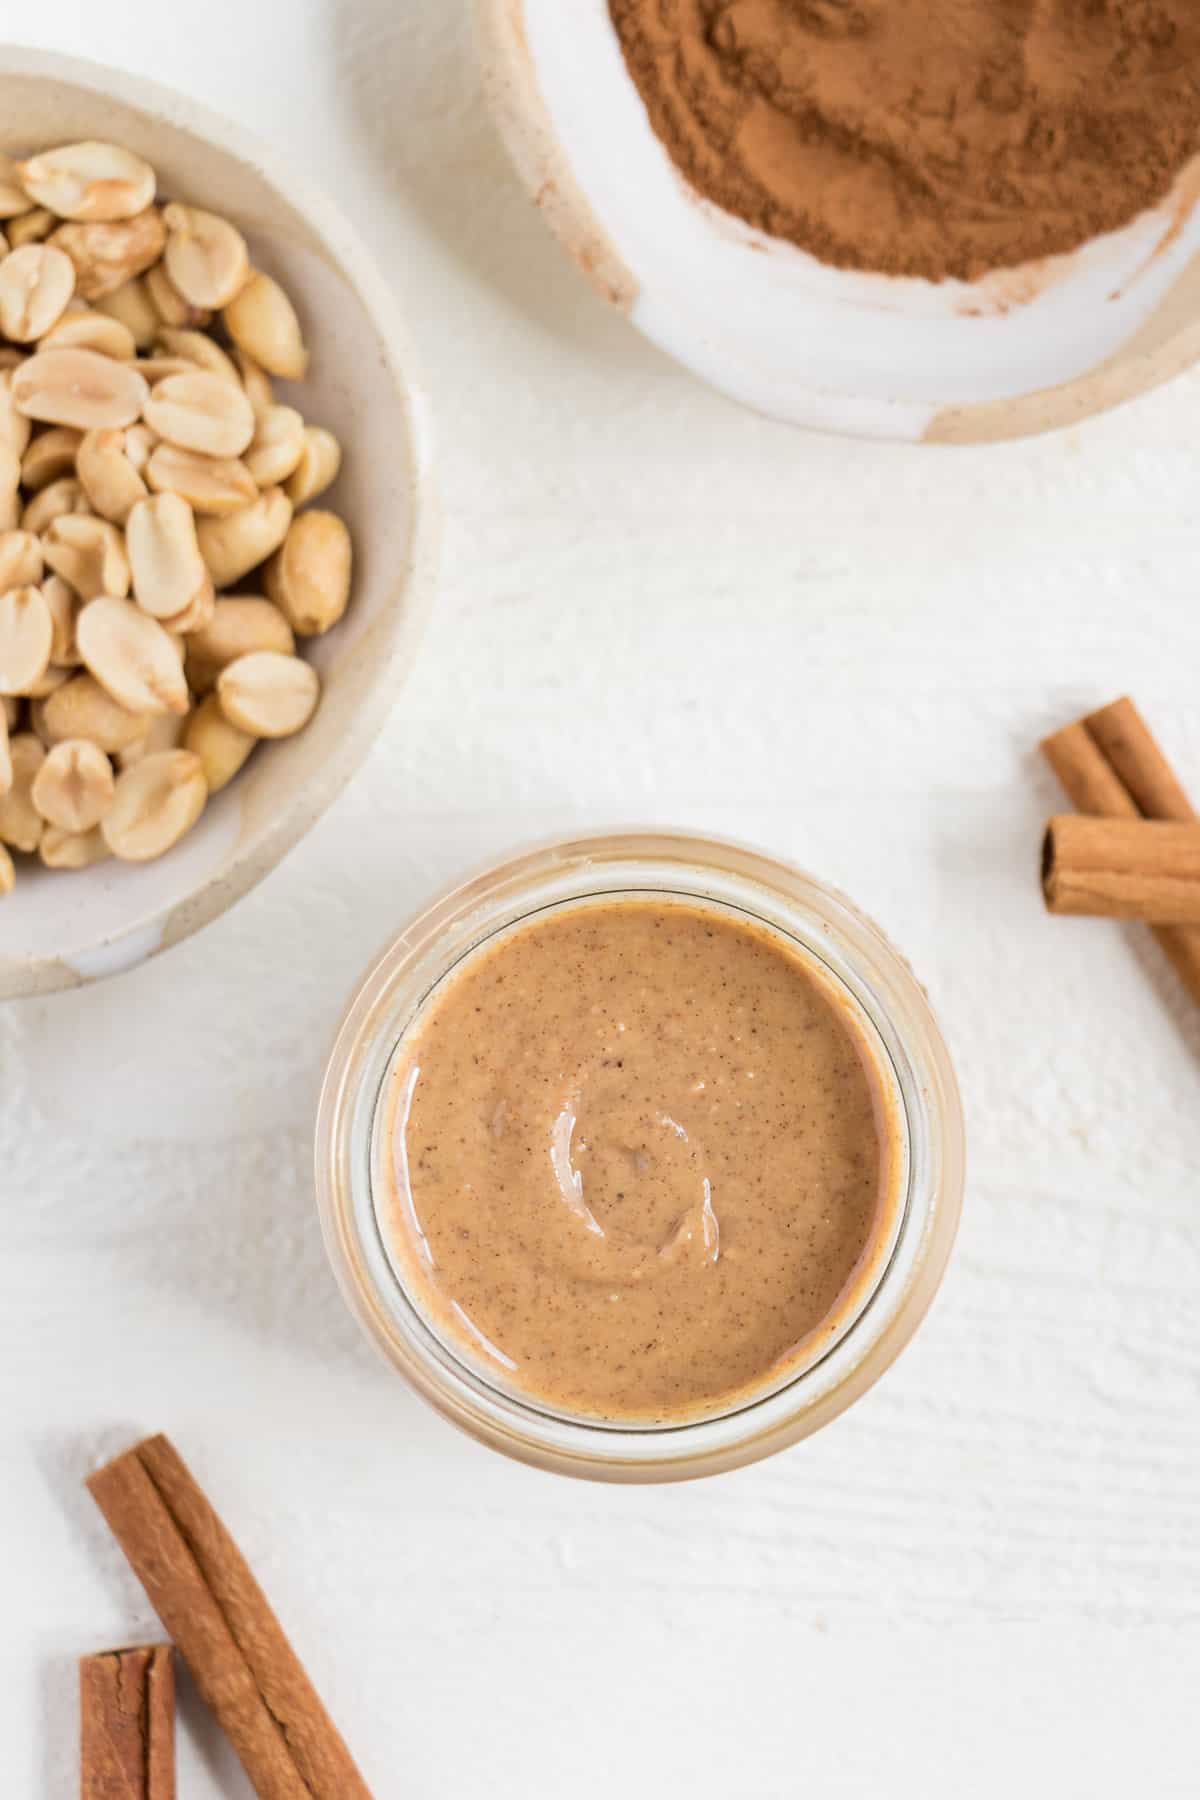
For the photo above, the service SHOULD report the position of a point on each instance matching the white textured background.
(987, 1577)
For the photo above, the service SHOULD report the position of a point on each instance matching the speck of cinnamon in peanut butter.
(642, 1159)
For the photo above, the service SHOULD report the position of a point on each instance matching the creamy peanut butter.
(641, 1160)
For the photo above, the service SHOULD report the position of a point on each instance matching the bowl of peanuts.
(217, 523)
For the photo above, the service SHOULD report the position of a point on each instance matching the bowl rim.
(527, 131)
(412, 588)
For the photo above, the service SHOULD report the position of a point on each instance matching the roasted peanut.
(21, 562)
(63, 603)
(31, 227)
(73, 787)
(277, 445)
(89, 553)
(262, 321)
(169, 303)
(50, 456)
(237, 543)
(206, 256)
(13, 199)
(132, 307)
(318, 468)
(255, 380)
(36, 283)
(106, 257)
(203, 412)
(79, 388)
(221, 746)
(15, 429)
(72, 849)
(169, 573)
(21, 823)
(91, 330)
(209, 484)
(131, 656)
(196, 347)
(26, 636)
(55, 500)
(83, 709)
(308, 578)
(108, 478)
(156, 803)
(91, 181)
(268, 695)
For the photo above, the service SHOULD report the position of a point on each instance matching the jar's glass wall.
(857, 956)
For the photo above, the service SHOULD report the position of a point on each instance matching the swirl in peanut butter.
(642, 1159)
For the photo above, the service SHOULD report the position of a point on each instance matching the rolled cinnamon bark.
(1123, 869)
(203, 1591)
(1093, 786)
(1132, 751)
(127, 1724)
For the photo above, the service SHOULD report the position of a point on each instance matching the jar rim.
(855, 956)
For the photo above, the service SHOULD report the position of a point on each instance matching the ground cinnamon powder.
(922, 137)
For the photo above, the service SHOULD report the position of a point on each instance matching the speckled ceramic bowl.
(1020, 351)
(60, 929)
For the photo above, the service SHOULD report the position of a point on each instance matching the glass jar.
(911, 1053)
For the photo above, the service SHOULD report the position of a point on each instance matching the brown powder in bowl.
(922, 137)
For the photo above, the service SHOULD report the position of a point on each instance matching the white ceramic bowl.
(59, 929)
(1019, 351)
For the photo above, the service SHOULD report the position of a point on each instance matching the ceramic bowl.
(61, 929)
(1020, 351)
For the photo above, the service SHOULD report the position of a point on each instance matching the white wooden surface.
(987, 1577)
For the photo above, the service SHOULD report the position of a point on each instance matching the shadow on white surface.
(409, 89)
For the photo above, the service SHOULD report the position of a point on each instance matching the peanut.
(73, 787)
(277, 445)
(221, 746)
(36, 283)
(237, 543)
(156, 803)
(318, 468)
(91, 181)
(89, 553)
(26, 636)
(91, 330)
(106, 257)
(50, 456)
(21, 562)
(83, 709)
(262, 321)
(206, 256)
(55, 500)
(168, 569)
(209, 484)
(201, 412)
(79, 388)
(108, 478)
(131, 656)
(308, 578)
(132, 307)
(72, 849)
(268, 695)
(21, 823)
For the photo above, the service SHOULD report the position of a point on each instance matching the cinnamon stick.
(1132, 752)
(1093, 786)
(1123, 869)
(127, 1724)
(1091, 783)
(204, 1593)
